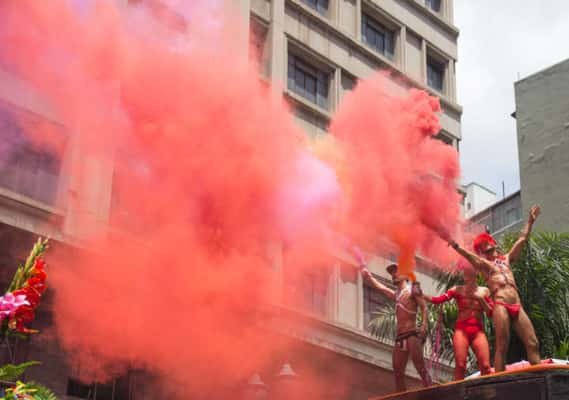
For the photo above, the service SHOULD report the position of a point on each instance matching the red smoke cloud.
(399, 177)
(209, 168)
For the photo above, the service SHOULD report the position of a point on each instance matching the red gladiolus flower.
(25, 314)
(37, 284)
(39, 264)
(41, 275)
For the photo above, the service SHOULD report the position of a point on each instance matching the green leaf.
(41, 392)
(11, 372)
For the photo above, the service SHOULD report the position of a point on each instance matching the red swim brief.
(470, 327)
(513, 309)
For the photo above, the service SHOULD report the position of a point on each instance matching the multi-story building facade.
(542, 114)
(311, 52)
(504, 216)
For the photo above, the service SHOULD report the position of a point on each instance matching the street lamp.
(256, 389)
(286, 384)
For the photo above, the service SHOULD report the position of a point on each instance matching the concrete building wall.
(477, 198)
(542, 114)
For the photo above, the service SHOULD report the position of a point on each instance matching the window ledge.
(30, 203)
(295, 98)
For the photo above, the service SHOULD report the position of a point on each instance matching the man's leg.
(416, 350)
(399, 359)
(482, 352)
(524, 328)
(501, 321)
(460, 345)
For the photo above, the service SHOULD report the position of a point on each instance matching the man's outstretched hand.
(358, 256)
(365, 272)
(534, 213)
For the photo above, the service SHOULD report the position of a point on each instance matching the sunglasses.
(489, 250)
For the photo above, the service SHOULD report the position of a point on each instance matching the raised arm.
(477, 262)
(383, 289)
(516, 249)
(443, 298)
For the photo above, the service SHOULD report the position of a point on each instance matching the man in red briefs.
(472, 301)
(507, 309)
(409, 340)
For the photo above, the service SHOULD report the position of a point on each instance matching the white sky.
(501, 41)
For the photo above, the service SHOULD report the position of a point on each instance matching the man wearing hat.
(507, 309)
(409, 339)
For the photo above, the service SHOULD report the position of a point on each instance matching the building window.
(312, 123)
(373, 301)
(435, 74)
(319, 5)
(308, 81)
(348, 81)
(444, 138)
(377, 36)
(26, 167)
(117, 389)
(434, 5)
(257, 42)
(308, 291)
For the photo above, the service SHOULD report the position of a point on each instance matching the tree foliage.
(542, 276)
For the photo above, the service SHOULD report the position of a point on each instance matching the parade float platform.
(538, 382)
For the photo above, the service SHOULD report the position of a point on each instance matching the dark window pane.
(434, 5)
(299, 79)
(323, 93)
(79, 389)
(308, 290)
(444, 138)
(319, 5)
(373, 302)
(378, 37)
(308, 82)
(104, 391)
(435, 74)
(25, 167)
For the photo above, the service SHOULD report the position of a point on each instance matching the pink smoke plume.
(208, 167)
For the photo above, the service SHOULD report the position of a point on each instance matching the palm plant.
(542, 276)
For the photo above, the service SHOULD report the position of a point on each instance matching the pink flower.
(10, 303)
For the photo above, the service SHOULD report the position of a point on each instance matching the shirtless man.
(500, 280)
(472, 301)
(409, 339)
